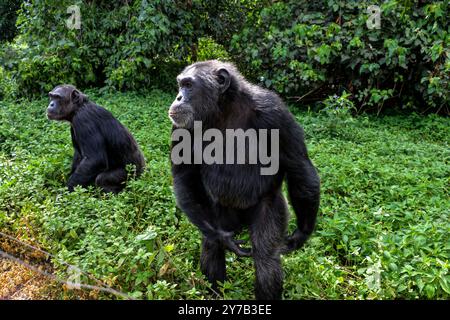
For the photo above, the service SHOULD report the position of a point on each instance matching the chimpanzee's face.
(200, 86)
(182, 111)
(63, 101)
(58, 102)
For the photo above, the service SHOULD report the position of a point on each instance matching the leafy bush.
(8, 87)
(382, 231)
(121, 44)
(8, 16)
(304, 50)
(46, 52)
(208, 49)
(314, 49)
(338, 111)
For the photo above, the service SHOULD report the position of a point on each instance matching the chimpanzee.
(103, 147)
(222, 198)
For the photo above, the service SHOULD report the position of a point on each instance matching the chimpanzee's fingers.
(244, 252)
(239, 251)
(294, 241)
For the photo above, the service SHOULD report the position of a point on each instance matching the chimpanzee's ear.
(224, 79)
(76, 96)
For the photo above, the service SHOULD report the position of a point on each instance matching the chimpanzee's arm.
(93, 158)
(302, 179)
(76, 161)
(192, 199)
(76, 153)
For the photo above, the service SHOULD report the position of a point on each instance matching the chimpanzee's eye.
(186, 83)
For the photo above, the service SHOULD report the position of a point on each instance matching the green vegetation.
(316, 48)
(385, 211)
(382, 231)
(8, 16)
(300, 48)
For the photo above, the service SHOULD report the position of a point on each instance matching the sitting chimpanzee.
(103, 147)
(220, 198)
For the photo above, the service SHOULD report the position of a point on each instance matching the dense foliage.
(8, 16)
(121, 44)
(382, 231)
(305, 50)
(315, 48)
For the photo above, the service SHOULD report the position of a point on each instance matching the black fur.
(103, 147)
(221, 199)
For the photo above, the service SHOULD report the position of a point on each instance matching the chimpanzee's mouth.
(177, 114)
(179, 119)
(52, 116)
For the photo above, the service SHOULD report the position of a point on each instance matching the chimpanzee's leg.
(112, 181)
(267, 231)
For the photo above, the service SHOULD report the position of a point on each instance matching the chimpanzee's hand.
(294, 241)
(233, 245)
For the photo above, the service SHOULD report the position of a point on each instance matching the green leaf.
(444, 282)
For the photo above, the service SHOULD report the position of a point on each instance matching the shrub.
(46, 52)
(8, 86)
(304, 50)
(209, 49)
(121, 44)
(125, 45)
(8, 16)
(314, 49)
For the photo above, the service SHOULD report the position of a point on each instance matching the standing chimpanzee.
(221, 199)
(103, 147)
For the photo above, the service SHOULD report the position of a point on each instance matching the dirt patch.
(27, 273)
(19, 283)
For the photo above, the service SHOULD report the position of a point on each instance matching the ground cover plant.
(382, 231)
